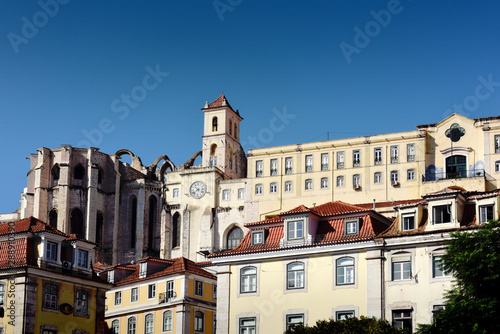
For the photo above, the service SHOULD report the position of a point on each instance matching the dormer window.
(83, 258)
(111, 276)
(51, 253)
(351, 227)
(486, 213)
(295, 229)
(441, 214)
(257, 238)
(143, 269)
(408, 222)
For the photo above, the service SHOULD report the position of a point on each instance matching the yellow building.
(384, 168)
(340, 260)
(161, 296)
(46, 281)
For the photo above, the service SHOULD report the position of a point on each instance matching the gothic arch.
(77, 223)
(226, 235)
(53, 218)
(191, 160)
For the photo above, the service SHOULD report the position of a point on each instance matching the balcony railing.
(460, 174)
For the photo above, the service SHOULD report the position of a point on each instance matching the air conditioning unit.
(162, 298)
(67, 265)
(394, 183)
(356, 187)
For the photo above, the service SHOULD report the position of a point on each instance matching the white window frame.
(410, 152)
(295, 229)
(394, 176)
(149, 324)
(410, 174)
(394, 154)
(274, 167)
(497, 143)
(258, 189)
(399, 321)
(356, 180)
(247, 325)
(118, 297)
(436, 272)
(343, 315)
(257, 237)
(259, 168)
(143, 269)
(356, 158)
(241, 193)
(295, 277)
(199, 321)
(401, 270)
(309, 163)
(167, 321)
(351, 226)
(324, 161)
(483, 213)
(497, 166)
(441, 216)
(340, 160)
(377, 156)
(308, 184)
(175, 193)
(340, 181)
(288, 186)
(324, 183)
(248, 280)
(273, 188)
(377, 177)
(52, 250)
(170, 289)
(226, 194)
(288, 165)
(134, 295)
(289, 324)
(132, 325)
(405, 226)
(83, 258)
(345, 270)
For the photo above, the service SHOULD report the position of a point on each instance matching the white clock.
(198, 189)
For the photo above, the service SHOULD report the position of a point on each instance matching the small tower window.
(214, 124)
(235, 131)
(78, 172)
(230, 127)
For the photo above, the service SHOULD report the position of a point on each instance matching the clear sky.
(141, 71)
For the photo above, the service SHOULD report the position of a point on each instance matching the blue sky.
(350, 68)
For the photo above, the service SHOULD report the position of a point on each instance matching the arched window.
(55, 174)
(213, 155)
(115, 327)
(149, 324)
(152, 221)
(345, 271)
(248, 279)
(234, 237)
(133, 221)
(99, 224)
(198, 321)
(132, 326)
(53, 218)
(77, 223)
(176, 230)
(295, 275)
(82, 303)
(230, 127)
(78, 172)
(167, 321)
(214, 124)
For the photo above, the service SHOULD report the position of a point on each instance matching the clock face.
(198, 189)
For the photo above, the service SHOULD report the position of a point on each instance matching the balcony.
(431, 176)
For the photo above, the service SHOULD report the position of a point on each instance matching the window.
(167, 321)
(248, 279)
(51, 251)
(214, 124)
(143, 269)
(486, 213)
(198, 321)
(151, 291)
(401, 319)
(230, 127)
(149, 324)
(50, 297)
(259, 168)
(111, 276)
(241, 193)
(288, 186)
(356, 161)
(295, 229)
(82, 303)
(394, 177)
(377, 177)
(356, 181)
(257, 237)
(410, 174)
(175, 193)
(343, 315)
(214, 291)
(394, 154)
(2, 293)
(230, 161)
(132, 326)
(324, 161)
(198, 288)
(83, 257)
(258, 189)
(293, 320)
(78, 172)
(53, 219)
(295, 275)
(213, 161)
(234, 237)
(456, 166)
(340, 160)
(340, 181)
(115, 327)
(378, 156)
(408, 222)
(225, 195)
(441, 214)
(118, 298)
(170, 289)
(437, 270)
(176, 230)
(273, 188)
(274, 167)
(345, 271)
(410, 152)
(324, 183)
(134, 294)
(55, 174)
(401, 270)
(288, 165)
(497, 166)
(248, 326)
(309, 184)
(497, 144)
(309, 163)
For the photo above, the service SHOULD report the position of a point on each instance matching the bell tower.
(221, 146)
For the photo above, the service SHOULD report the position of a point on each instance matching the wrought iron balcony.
(458, 174)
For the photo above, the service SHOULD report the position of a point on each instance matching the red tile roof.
(221, 101)
(21, 256)
(30, 224)
(389, 203)
(174, 266)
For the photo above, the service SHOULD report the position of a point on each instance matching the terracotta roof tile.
(30, 224)
(221, 101)
(274, 220)
(390, 203)
(336, 208)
